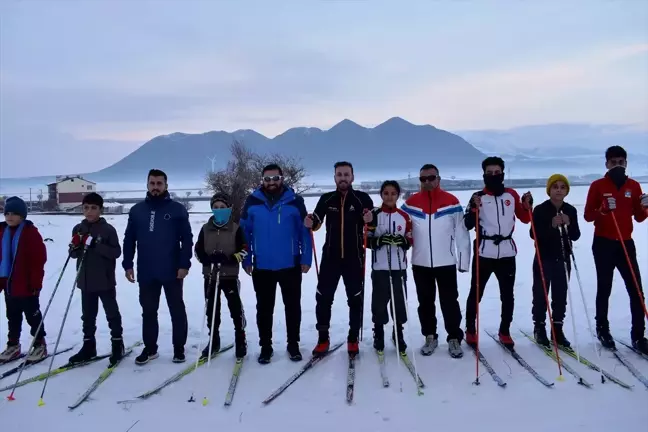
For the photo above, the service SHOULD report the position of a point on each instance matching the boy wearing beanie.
(556, 224)
(97, 278)
(22, 268)
(221, 248)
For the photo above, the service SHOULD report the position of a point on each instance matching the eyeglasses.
(274, 178)
(429, 178)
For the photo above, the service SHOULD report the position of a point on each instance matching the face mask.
(221, 215)
(618, 176)
(494, 183)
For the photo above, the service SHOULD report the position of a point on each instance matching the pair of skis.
(407, 363)
(25, 364)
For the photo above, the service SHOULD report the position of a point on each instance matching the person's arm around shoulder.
(185, 238)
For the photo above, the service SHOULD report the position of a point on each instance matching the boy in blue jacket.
(281, 250)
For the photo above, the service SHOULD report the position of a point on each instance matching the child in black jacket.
(556, 225)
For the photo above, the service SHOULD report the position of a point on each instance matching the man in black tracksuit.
(347, 211)
(553, 220)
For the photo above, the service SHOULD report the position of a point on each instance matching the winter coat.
(159, 227)
(100, 260)
(550, 241)
(228, 239)
(275, 232)
(22, 257)
(389, 221)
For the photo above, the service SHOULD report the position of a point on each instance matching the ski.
(570, 352)
(522, 362)
(66, 367)
(103, 377)
(383, 369)
(238, 365)
(4, 362)
(350, 387)
(410, 367)
(500, 382)
(633, 349)
(312, 362)
(27, 364)
(177, 377)
(549, 352)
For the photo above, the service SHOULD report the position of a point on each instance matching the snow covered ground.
(316, 402)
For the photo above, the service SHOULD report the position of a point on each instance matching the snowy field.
(316, 402)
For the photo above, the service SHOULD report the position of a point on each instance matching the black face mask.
(494, 183)
(618, 176)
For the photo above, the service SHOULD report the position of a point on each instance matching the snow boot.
(606, 339)
(266, 354)
(215, 346)
(471, 337)
(379, 338)
(117, 351)
(431, 343)
(353, 346)
(86, 353)
(11, 353)
(146, 356)
(561, 340)
(641, 345)
(540, 335)
(39, 352)
(323, 345)
(454, 348)
(505, 339)
(178, 355)
(293, 351)
(402, 346)
(240, 344)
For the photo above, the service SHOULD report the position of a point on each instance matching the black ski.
(500, 382)
(27, 364)
(350, 390)
(633, 349)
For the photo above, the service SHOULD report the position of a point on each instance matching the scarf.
(9, 250)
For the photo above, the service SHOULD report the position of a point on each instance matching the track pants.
(504, 269)
(557, 285)
(265, 286)
(90, 309)
(331, 270)
(426, 280)
(16, 307)
(149, 297)
(609, 255)
(381, 297)
(231, 290)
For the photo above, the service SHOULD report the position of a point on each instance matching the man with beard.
(499, 207)
(281, 251)
(616, 196)
(160, 230)
(347, 211)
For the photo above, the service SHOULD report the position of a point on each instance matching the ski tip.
(41, 402)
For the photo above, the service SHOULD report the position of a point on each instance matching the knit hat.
(93, 198)
(16, 205)
(553, 179)
(220, 196)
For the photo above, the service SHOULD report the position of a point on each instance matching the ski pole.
(202, 326)
(632, 270)
(312, 234)
(476, 382)
(393, 307)
(40, 325)
(582, 293)
(67, 310)
(546, 294)
(364, 276)
(568, 279)
(213, 319)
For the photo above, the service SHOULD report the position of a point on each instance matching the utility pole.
(30, 201)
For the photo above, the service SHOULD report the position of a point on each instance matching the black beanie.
(220, 196)
(93, 198)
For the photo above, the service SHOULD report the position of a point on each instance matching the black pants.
(90, 309)
(609, 255)
(504, 269)
(557, 285)
(350, 270)
(426, 280)
(149, 297)
(265, 286)
(16, 307)
(381, 296)
(229, 287)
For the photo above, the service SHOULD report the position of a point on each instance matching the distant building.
(68, 191)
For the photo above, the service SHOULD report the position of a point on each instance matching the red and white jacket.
(497, 216)
(438, 229)
(389, 221)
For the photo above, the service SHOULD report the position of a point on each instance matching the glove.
(644, 200)
(608, 204)
(400, 241)
(384, 240)
(78, 240)
(218, 257)
(240, 256)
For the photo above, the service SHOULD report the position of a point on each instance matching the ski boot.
(178, 354)
(146, 356)
(641, 345)
(379, 338)
(506, 339)
(39, 352)
(606, 339)
(454, 348)
(117, 351)
(293, 351)
(540, 335)
(353, 346)
(431, 343)
(323, 345)
(471, 337)
(559, 335)
(402, 346)
(11, 353)
(240, 344)
(266, 354)
(215, 346)
(86, 353)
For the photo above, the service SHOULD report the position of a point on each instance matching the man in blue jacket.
(160, 229)
(281, 250)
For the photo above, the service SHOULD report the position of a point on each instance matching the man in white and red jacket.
(437, 230)
(499, 207)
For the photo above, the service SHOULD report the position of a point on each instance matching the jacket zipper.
(499, 227)
(430, 230)
(342, 225)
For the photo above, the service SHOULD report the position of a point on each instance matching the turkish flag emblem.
(507, 202)
(400, 228)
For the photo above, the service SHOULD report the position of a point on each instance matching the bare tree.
(243, 174)
(184, 201)
(200, 192)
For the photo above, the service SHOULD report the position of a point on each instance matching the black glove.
(400, 241)
(218, 257)
(384, 240)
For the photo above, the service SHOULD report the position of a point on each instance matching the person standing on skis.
(220, 248)
(22, 268)
(612, 202)
(499, 207)
(550, 220)
(389, 237)
(159, 229)
(281, 251)
(347, 211)
(438, 229)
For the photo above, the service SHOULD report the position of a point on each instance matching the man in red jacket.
(22, 268)
(620, 195)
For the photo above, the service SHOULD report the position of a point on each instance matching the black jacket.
(98, 272)
(549, 238)
(342, 215)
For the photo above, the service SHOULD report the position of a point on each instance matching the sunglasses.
(429, 178)
(274, 178)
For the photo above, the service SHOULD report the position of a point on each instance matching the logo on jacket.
(351, 208)
(167, 216)
(508, 203)
(628, 193)
(399, 228)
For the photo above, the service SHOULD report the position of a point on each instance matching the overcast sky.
(75, 74)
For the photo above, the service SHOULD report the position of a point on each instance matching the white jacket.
(438, 230)
(389, 221)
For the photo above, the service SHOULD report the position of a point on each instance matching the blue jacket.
(161, 230)
(275, 232)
